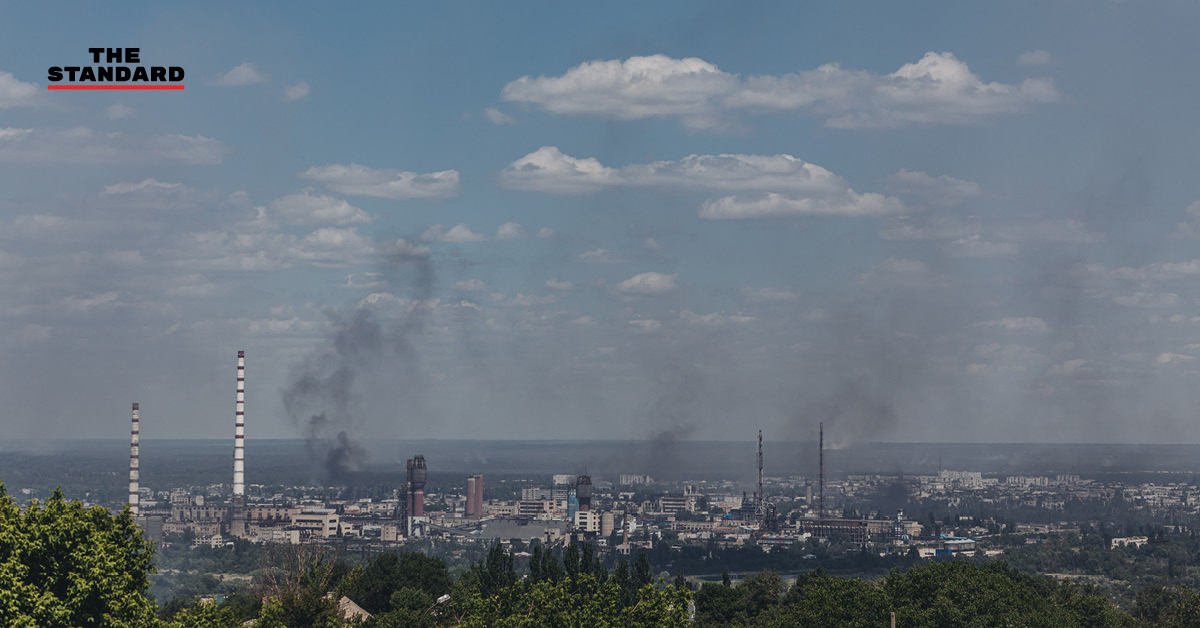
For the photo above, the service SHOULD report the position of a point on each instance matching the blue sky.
(916, 222)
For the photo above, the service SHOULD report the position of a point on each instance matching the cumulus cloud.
(1035, 57)
(329, 247)
(941, 191)
(1173, 358)
(646, 324)
(1147, 299)
(510, 231)
(714, 319)
(549, 170)
(471, 285)
(497, 116)
(150, 194)
(781, 185)
(14, 93)
(772, 205)
(81, 145)
(117, 111)
(523, 300)
(1017, 323)
(243, 74)
(937, 89)
(307, 208)
(554, 283)
(365, 281)
(457, 234)
(545, 233)
(293, 93)
(1189, 229)
(383, 183)
(650, 283)
(601, 256)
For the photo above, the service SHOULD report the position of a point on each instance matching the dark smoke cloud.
(325, 397)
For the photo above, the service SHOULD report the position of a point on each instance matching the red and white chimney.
(239, 434)
(133, 463)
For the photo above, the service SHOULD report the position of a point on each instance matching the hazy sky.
(915, 221)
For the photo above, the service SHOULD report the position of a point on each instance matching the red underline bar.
(114, 87)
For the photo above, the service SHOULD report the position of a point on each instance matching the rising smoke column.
(378, 332)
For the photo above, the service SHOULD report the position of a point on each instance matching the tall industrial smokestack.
(417, 475)
(583, 492)
(133, 463)
(239, 433)
(758, 496)
(821, 473)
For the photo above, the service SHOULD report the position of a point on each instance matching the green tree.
(65, 565)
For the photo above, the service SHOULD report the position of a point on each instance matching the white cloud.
(293, 93)
(401, 249)
(714, 319)
(1035, 57)
(523, 300)
(650, 244)
(510, 231)
(364, 281)
(937, 89)
(940, 191)
(1190, 229)
(555, 283)
(545, 232)
(329, 247)
(639, 87)
(307, 208)
(244, 74)
(773, 205)
(1145, 299)
(650, 283)
(497, 116)
(457, 234)
(549, 170)
(117, 111)
(646, 324)
(1017, 323)
(150, 194)
(383, 183)
(14, 93)
(81, 145)
(787, 186)
(1173, 358)
(471, 285)
(601, 256)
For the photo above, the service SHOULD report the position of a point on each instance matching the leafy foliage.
(65, 565)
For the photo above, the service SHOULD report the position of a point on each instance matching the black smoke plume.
(325, 396)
